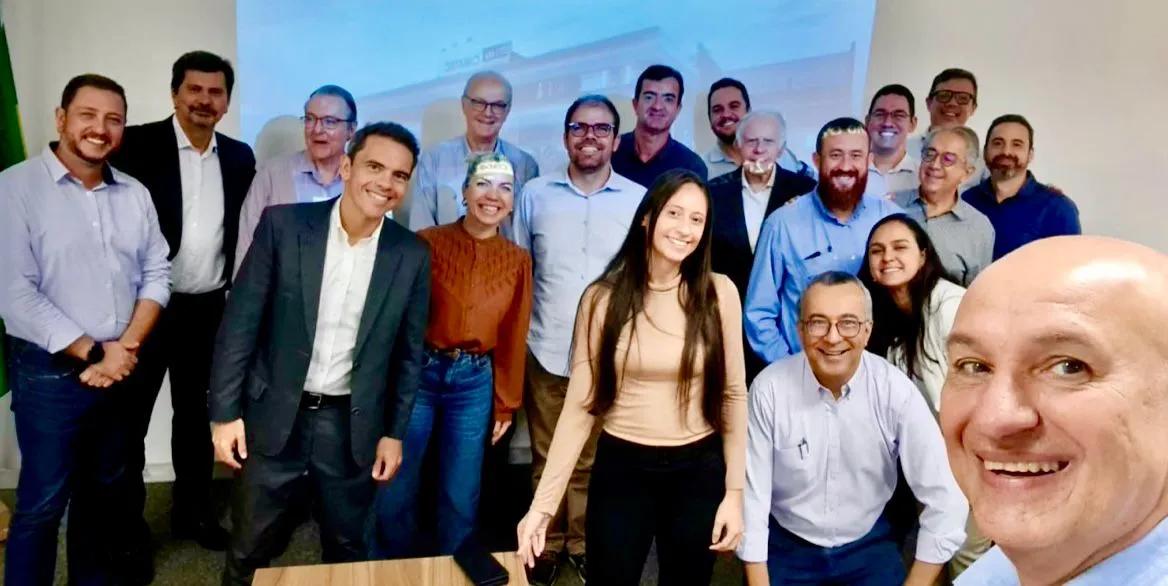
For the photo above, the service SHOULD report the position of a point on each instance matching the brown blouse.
(480, 301)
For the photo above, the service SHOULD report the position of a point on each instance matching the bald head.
(1055, 408)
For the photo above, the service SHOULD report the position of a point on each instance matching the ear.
(815, 159)
(346, 168)
(913, 126)
(59, 114)
(645, 222)
(615, 142)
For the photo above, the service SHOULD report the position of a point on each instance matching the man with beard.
(825, 231)
(729, 102)
(85, 275)
(198, 179)
(891, 119)
(1021, 209)
(436, 197)
(648, 151)
(573, 222)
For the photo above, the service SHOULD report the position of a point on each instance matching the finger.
(241, 444)
(540, 542)
(379, 469)
(223, 453)
(719, 527)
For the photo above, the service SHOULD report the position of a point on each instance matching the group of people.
(736, 352)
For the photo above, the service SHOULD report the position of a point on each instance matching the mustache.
(843, 173)
(1003, 160)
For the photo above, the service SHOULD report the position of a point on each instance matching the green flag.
(11, 148)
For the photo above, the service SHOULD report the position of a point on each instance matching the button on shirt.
(1033, 213)
(799, 241)
(75, 261)
(572, 236)
(198, 266)
(348, 269)
(754, 205)
(825, 468)
(673, 155)
(964, 237)
(1144, 563)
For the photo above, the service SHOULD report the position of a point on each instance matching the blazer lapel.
(172, 176)
(384, 267)
(313, 245)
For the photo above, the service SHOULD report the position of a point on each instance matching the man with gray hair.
(826, 430)
(436, 197)
(728, 103)
(963, 236)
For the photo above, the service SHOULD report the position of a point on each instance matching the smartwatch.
(96, 354)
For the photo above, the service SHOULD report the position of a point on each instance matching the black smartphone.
(478, 564)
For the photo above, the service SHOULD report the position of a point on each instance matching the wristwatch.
(96, 353)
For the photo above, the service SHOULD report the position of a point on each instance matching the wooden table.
(439, 571)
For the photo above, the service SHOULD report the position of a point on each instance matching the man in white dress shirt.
(827, 427)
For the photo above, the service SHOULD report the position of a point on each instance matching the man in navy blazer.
(743, 198)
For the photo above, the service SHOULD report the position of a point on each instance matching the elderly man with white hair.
(436, 197)
(744, 197)
(826, 429)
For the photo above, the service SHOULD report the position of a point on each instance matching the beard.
(1006, 165)
(74, 146)
(835, 198)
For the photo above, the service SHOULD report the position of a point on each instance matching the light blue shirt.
(1144, 563)
(307, 182)
(826, 468)
(436, 198)
(75, 261)
(799, 241)
(572, 236)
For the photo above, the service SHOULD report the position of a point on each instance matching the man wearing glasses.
(892, 118)
(313, 174)
(573, 222)
(826, 430)
(436, 197)
(963, 236)
(952, 100)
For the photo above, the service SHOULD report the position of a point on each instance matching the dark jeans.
(455, 398)
(639, 493)
(872, 560)
(318, 459)
(72, 451)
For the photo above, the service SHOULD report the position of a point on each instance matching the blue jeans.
(71, 441)
(872, 560)
(455, 400)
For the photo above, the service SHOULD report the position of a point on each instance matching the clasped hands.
(120, 359)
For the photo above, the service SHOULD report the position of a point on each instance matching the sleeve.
(760, 442)
(764, 305)
(405, 363)
(575, 424)
(424, 196)
(156, 282)
(734, 397)
(239, 330)
(926, 469)
(511, 346)
(521, 223)
(259, 197)
(1063, 220)
(983, 254)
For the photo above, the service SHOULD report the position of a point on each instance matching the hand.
(532, 533)
(501, 428)
(93, 377)
(228, 438)
(728, 522)
(389, 457)
(118, 362)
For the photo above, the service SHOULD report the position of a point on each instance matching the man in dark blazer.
(198, 179)
(744, 197)
(318, 358)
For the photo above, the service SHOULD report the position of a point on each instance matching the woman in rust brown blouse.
(480, 307)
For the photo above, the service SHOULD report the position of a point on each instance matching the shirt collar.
(960, 211)
(908, 163)
(855, 383)
(337, 231)
(717, 155)
(466, 146)
(770, 184)
(58, 171)
(301, 164)
(185, 143)
(561, 178)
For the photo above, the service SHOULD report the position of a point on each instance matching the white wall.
(1089, 74)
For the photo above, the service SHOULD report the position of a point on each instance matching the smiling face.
(485, 108)
(834, 329)
(489, 198)
(201, 100)
(658, 104)
(681, 223)
(377, 176)
(843, 168)
(894, 256)
(727, 109)
(889, 123)
(587, 151)
(944, 164)
(91, 127)
(952, 103)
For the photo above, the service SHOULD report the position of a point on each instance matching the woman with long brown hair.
(657, 357)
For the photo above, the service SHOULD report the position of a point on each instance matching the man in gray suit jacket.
(317, 359)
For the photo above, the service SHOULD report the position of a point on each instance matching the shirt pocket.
(792, 469)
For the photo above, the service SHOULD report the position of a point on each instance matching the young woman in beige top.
(657, 357)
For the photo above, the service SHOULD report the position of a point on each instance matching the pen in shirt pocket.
(804, 449)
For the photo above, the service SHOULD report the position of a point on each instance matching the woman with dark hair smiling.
(657, 357)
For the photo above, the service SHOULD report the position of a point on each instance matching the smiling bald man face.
(1055, 409)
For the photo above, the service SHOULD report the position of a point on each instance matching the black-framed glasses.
(580, 129)
(329, 123)
(482, 105)
(848, 327)
(947, 159)
(897, 116)
(962, 98)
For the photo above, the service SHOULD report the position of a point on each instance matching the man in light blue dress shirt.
(1055, 414)
(436, 197)
(822, 231)
(85, 276)
(573, 222)
(826, 430)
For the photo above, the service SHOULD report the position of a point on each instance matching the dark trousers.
(317, 463)
(640, 493)
(71, 444)
(454, 403)
(872, 560)
(182, 342)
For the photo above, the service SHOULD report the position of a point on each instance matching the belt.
(315, 401)
(452, 353)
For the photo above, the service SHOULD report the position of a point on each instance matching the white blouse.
(933, 358)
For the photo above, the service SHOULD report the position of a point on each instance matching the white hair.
(968, 135)
(833, 278)
(488, 76)
(772, 115)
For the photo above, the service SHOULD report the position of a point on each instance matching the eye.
(1070, 367)
(672, 213)
(970, 367)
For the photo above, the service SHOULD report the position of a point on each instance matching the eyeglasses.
(481, 105)
(580, 129)
(946, 96)
(751, 143)
(329, 123)
(947, 159)
(847, 327)
(882, 115)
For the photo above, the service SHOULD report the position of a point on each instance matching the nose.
(833, 336)
(1002, 410)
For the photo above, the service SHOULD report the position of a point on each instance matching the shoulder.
(538, 184)
(725, 288)
(595, 298)
(625, 184)
(783, 373)
(903, 197)
(401, 236)
(890, 385)
(130, 183)
(235, 149)
(518, 155)
(799, 182)
(24, 170)
(945, 295)
(725, 180)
